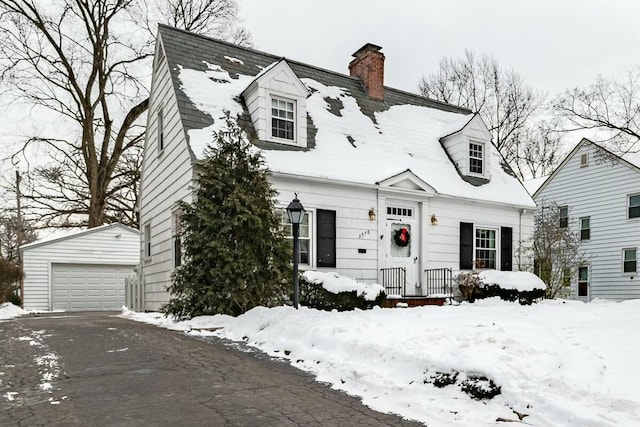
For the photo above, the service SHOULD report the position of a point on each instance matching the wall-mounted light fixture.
(434, 219)
(372, 214)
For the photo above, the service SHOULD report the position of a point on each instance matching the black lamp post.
(295, 210)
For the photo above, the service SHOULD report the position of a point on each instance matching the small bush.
(480, 388)
(512, 295)
(315, 296)
(10, 276)
(472, 288)
(443, 379)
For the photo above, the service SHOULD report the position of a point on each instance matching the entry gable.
(276, 100)
(407, 180)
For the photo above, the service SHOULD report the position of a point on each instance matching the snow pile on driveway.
(555, 363)
(9, 311)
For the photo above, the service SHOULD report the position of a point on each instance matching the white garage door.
(85, 287)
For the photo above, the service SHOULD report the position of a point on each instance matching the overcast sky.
(553, 44)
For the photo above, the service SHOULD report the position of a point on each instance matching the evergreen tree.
(235, 254)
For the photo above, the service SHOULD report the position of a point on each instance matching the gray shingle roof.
(193, 51)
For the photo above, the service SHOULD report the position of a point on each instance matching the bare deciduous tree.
(538, 150)
(609, 107)
(556, 250)
(503, 100)
(87, 62)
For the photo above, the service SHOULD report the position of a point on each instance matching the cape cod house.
(399, 189)
(598, 194)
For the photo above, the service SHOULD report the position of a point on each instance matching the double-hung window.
(585, 228)
(282, 119)
(160, 125)
(176, 236)
(147, 241)
(564, 216)
(304, 234)
(476, 158)
(583, 281)
(629, 260)
(634, 206)
(485, 248)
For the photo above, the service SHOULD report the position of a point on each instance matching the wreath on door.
(402, 237)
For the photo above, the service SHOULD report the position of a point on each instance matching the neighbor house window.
(476, 158)
(564, 216)
(485, 248)
(160, 130)
(584, 160)
(634, 206)
(629, 264)
(147, 240)
(304, 235)
(282, 119)
(583, 281)
(176, 237)
(585, 228)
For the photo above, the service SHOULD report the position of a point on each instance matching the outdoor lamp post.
(295, 210)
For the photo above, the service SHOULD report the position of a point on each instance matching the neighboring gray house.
(396, 185)
(82, 271)
(599, 195)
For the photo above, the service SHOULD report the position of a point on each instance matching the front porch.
(436, 287)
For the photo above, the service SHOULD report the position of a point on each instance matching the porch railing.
(438, 281)
(394, 280)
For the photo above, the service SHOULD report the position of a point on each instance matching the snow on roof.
(350, 146)
(533, 184)
(56, 234)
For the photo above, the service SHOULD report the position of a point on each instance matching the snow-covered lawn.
(559, 362)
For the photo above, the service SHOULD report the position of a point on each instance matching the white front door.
(402, 245)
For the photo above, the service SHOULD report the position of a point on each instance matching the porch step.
(414, 301)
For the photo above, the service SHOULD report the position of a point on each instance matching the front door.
(402, 245)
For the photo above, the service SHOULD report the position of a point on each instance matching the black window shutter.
(326, 243)
(506, 253)
(466, 246)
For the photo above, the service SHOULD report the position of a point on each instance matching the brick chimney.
(368, 65)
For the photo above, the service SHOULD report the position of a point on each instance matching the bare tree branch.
(81, 61)
(503, 100)
(609, 107)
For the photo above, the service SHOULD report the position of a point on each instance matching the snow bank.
(9, 311)
(335, 283)
(519, 280)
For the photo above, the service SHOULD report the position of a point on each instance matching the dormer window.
(282, 119)
(277, 103)
(476, 158)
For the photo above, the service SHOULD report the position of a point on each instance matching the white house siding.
(442, 245)
(92, 247)
(599, 191)
(354, 229)
(166, 179)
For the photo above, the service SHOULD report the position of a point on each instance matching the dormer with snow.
(469, 146)
(276, 100)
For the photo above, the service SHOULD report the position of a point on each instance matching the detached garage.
(83, 271)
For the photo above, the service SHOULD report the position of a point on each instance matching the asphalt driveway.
(97, 369)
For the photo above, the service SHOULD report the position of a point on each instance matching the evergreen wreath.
(402, 237)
